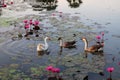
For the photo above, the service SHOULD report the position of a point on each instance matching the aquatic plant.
(4, 5)
(30, 22)
(55, 70)
(37, 72)
(25, 21)
(53, 73)
(6, 22)
(98, 37)
(11, 72)
(27, 26)
(118, 63)
(102, 33)
(110, 70)
(36, 22)
(49, 68)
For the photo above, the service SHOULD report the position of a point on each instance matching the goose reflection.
(46, 4)
(74, 3)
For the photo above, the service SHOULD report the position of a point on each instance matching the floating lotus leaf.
(1, 73)
(12, 71)
(14, 58)
(27, 78)
(14, 65)
(80, 76)
(71, 70)
(37, 70)
(5, 22)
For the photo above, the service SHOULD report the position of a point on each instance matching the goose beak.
(59, 38)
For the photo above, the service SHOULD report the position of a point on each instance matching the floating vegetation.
(6, 22)
(72, 63)
(11, 72)
(37, 71)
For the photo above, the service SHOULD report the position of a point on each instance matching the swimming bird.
(41, 48)
(68, 44)
(93, 48)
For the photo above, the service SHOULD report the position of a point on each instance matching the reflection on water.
(45, 4)
(74, 3)
(106, 14)
(52, 4)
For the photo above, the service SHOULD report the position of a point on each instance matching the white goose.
(41, 48)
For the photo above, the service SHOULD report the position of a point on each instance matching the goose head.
(47, 38)
(83, 38)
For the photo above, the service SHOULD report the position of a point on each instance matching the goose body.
(94, 48)
(68, 44)
(42, 47)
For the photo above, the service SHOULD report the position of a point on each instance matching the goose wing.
(70, 42)
(40, 47)
(95, 47)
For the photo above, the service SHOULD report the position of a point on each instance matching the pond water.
(106, 13)
(100, 15)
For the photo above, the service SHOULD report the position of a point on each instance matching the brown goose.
(94, 48)
(68, 44)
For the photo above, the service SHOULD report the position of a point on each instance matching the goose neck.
(46, 44)
(86, 44)
(61, 42)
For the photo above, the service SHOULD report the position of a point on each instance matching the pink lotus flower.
(30, 19)
(36, 22)
(55, 70)
(25, 21)
(53, 14)
(49, 68)
(11, 2)
(118, 63)
(60, 12)
(102, 33)
(31, 22)
(98, 37)
(4, 5)
(27, 26)
(110, 69)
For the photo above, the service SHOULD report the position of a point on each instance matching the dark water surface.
(107, 14)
